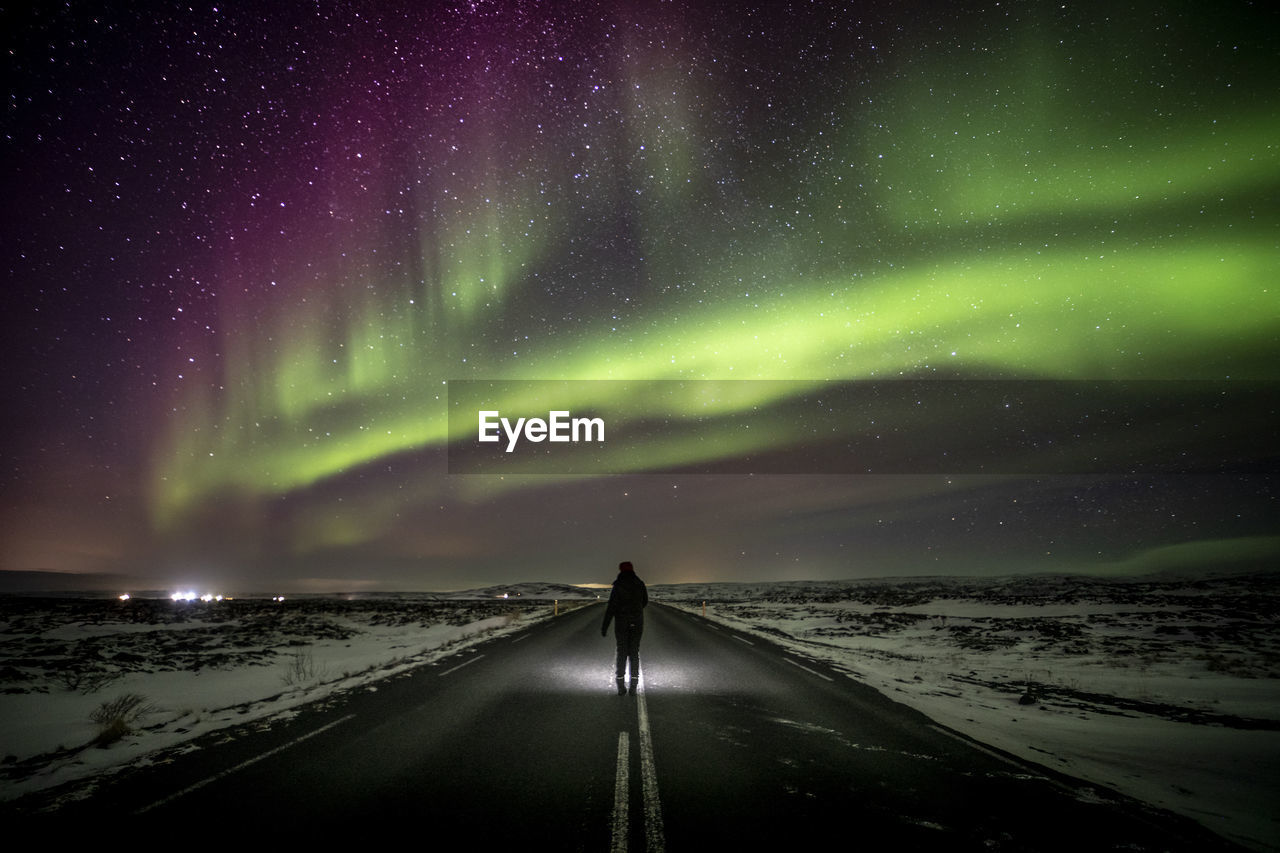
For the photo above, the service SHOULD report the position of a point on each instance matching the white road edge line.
(523, 636)
(243, 764)
(621, 795)
(460, 666)
(742, 639)
(997, 756)
(655, 841)
(810, 671)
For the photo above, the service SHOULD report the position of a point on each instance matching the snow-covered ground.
(1165, 690)
(195, 667)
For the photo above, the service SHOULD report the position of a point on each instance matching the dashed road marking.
(742, 639)
(242, 765)
(810, 671)
(460, 666)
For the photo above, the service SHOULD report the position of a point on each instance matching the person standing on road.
(626, 608)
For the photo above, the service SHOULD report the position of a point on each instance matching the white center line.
(621, 795)
(742, 639)
(243, 764)
(810, 671)
(460, 666)
(655, 842)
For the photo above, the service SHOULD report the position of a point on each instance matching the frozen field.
(1166, 690)
(184, 669)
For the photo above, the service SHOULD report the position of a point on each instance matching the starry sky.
(248, 247)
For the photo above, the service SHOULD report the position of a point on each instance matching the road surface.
(731, 743)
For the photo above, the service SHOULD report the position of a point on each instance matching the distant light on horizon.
(192, 595)
(124, 596)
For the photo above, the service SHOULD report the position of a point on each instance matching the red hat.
(625, 566)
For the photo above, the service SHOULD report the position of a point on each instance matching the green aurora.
(1112, 252)
(245, 279)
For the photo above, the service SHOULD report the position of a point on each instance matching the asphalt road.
(730, 743)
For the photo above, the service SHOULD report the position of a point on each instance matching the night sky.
(247, 246)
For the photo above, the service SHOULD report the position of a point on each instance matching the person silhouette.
(626, 608)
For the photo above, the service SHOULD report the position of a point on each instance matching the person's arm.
(608, 615)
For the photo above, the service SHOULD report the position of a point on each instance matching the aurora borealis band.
(247, 249)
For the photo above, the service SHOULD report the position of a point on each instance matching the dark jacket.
(627, 600)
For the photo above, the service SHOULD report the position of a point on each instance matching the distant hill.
(64, 583)
(532, 590)
(90, 585)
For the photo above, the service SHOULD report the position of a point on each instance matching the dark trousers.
(628, 634)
